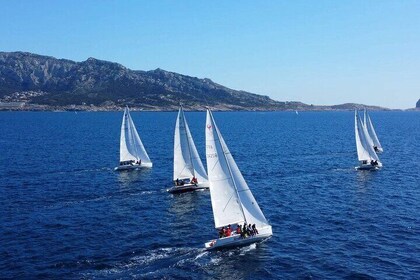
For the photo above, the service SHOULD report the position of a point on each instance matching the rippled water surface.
(64, 212)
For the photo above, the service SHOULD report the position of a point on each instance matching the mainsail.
(369, 126)
(187, 162)
(131, 147)
(365, 150)
(231, 198)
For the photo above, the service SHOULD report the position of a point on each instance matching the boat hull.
(131, 167)
(368, 167)
(187, 188)
(127, 167)
(236, 240)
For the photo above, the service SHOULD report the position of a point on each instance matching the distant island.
(36, 82)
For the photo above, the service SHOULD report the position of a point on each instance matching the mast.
(123, 145)
(364, 117)
(230, 171)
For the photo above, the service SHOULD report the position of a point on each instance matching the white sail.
(131, 147)
(231, 198)
(371, 131)
(362, 153)
(187, 162)
(368, 138)
(365, 150)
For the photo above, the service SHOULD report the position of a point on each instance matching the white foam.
(201, 255)
(246, 249)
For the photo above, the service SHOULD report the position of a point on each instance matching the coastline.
(22, 106)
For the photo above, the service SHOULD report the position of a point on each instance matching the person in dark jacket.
(254, 229)
(244, 230)
(249, 230)
(221, 233)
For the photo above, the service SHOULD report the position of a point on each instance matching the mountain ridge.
(48, 82)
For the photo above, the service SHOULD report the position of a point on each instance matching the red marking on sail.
(209, 126)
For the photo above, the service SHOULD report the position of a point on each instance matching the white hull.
(236, 240)
(369, 166)
(132, 167)
(188, 188)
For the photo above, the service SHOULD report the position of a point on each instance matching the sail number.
(210, 147)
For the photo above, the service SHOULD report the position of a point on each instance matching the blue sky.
(317, 52)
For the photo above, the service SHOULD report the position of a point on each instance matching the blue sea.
(65, 214)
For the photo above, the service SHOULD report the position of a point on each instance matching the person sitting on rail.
(254, 229)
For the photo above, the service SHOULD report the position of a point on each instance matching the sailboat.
(132, 152)
(189, 173)
(232, 201)
(372, 134)
(368, 159)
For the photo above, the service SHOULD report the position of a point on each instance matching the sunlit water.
(64, 212)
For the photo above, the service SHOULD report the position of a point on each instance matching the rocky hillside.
(52, 83)
(418, 104)
(58, 82)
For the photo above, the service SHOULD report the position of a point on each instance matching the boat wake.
(203, 253)
(347, 170)
(60, 204)
(152, 263)
(246, 249)
(92, 170)
(165, 262)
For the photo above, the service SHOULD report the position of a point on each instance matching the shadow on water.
(126, 179)
(184, 205)
(364, 177)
